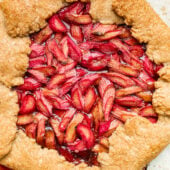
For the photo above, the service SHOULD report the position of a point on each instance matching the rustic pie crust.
(133, 145)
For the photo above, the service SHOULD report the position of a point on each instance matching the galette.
(83, 84)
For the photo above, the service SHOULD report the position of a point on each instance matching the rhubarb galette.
(84, 85)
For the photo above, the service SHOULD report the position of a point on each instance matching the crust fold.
(8, 111)
(147, 27)
(135, 145)
(13, 57)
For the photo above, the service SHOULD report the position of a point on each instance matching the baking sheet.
(162, 162)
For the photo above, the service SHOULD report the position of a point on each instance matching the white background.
(162, 162)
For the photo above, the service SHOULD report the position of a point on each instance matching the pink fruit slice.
(74, 51)
(50, 92)
(39, 76)
(30, 84)
(108, 100)
(89, 99)
(77, 98)
(39, 116)
(131, 41)
(67, 86)
(43, 35)
(58, 37)
(146, 96)
(77, 146)
(55, 125)
(88, 80)
(56, 24)
(37, 50)
(67, 67)
(148, 111)
(140, 83)
(64, 46)
(76, 33)
(41, 131)
(101, 29)
(38, 61)
(78, 19)
(107, 36)
(147, 79)
(27, 104)
(42, 104)
(131, 101)
(56, 80)
(57, 52)
(148, 66)
(123, 115)
(119, 79)
(97, 113)
(46, 70)
(70, 135)
(86, 134)
(128, 91)
(50, 142)
(66, 119)
(104, 84)
(24, 119)
(49, 55)
(30, 130)
(59, 103)
(137, 50)
(122, 68)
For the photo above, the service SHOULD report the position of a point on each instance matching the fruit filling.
(84, 80)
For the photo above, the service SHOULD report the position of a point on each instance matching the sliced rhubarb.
(55, 125)
(50, 142)
(122, 68)
(43, 35)
(37, 50)
(97, 113)
(148, 66)
(30, 130)
(137, 50)
(50, 92)
(49, 55)
(42, 104)
(74, 51)
(30, 84)
(119, 79)
(123, 115)
(76, 33)
(148, 111)
(66, 119)
(38, 61)
(86, 134)
(24, 119)
(39, 76)
(27, 104)
(57, 52)
(64, 46)
(101, 29)
(56, 24)
(146, 96)
(56, 80)
(46, 70)
(128, 91)
(77, 97)
(89, 99)
(41, 131)
(70, 135)
(77, 146)
(87, 81)
(131, 101)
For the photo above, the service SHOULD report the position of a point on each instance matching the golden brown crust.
(8, 111)
(131, 146)
(135, 145)
(13, 57)
(102, 11)
(147, 27)
(24, 17)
